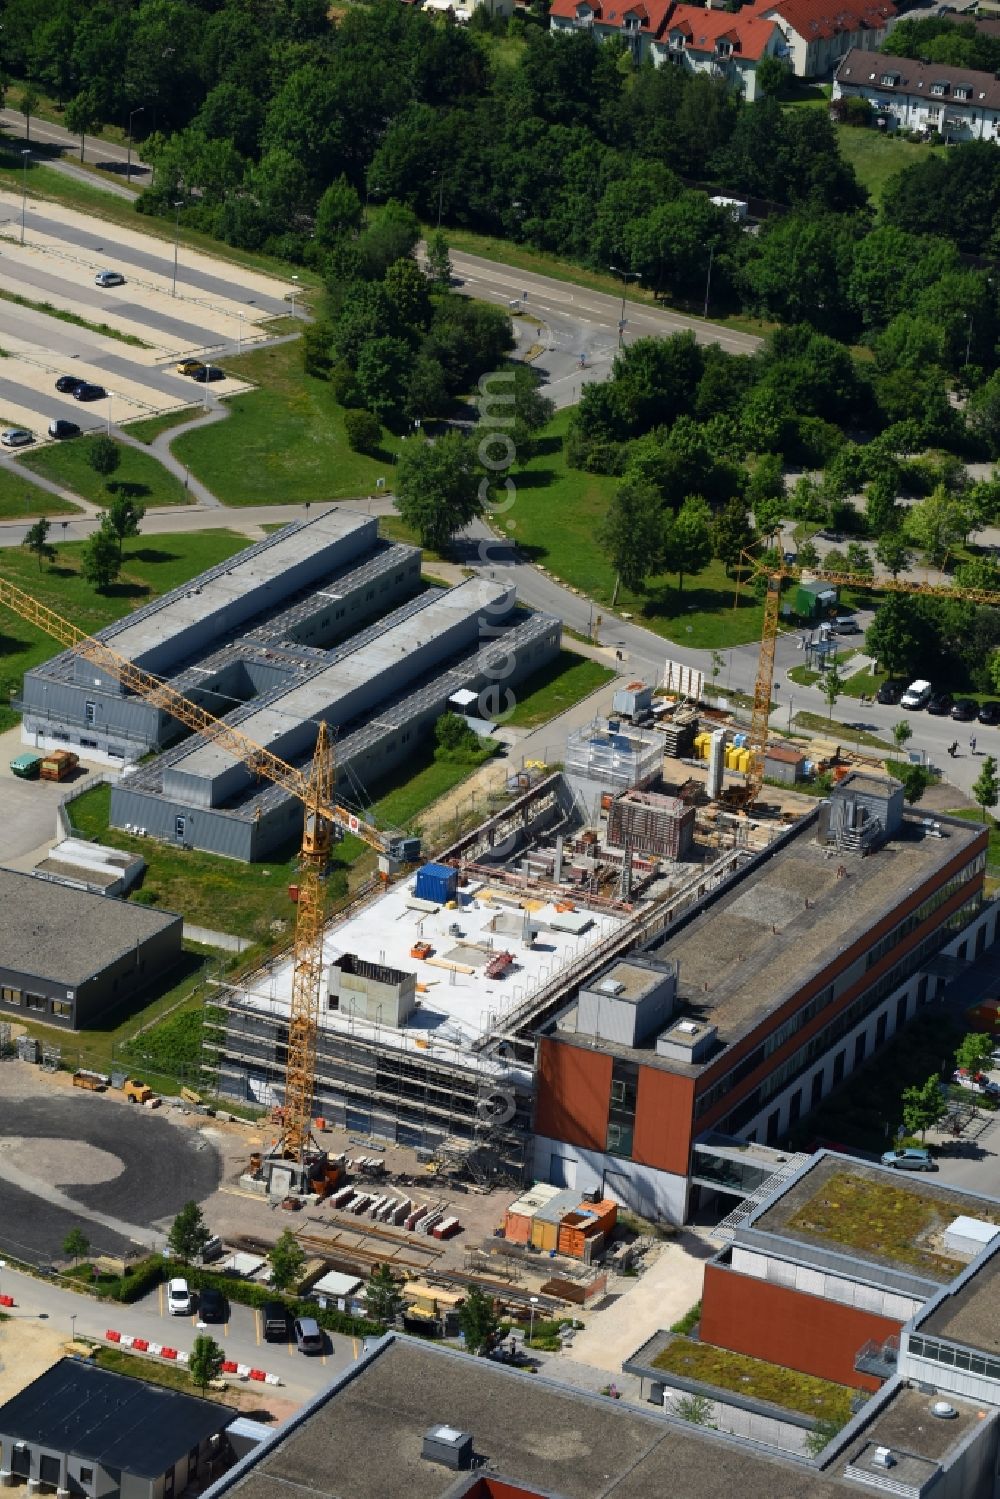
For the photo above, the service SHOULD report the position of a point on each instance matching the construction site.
(432, 990)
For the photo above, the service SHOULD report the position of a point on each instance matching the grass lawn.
(150, 568)
(565, 681)
(283, 443)
(172, 1376)
(876, 157)
(555, 522)
(756, 1379)
(395, 529)
(139, 474)
(819, 723)
(864, 683)
(890, 1220)
(974, 814)
(401, 798)
(20, 497)
(249, 900)
(147, 428)
(807, 677)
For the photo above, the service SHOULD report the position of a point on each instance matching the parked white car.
(917, 695)
(179, 1298)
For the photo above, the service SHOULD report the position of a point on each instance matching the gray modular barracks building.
(68, 955)
(322, 620)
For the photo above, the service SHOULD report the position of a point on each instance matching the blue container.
(437, 882)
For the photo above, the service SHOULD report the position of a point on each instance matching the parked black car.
(212, 1305)
(941, 704)
(965, 710)
(66, 383)
(87, 392)
(989, 713)
(209, 372)
(890, 692)
(58, 427)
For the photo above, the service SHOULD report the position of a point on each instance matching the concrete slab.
(659, 1297)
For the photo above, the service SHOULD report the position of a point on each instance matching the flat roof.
(918, 1440)
(317, 696)
(457, 1007)
(362, 1439)
(788, 916)
(64, 934)
(637, 980)
(970, 1314)
(112, 1419)
(215, 590)
(786, 1215)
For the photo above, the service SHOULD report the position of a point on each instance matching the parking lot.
(209, 310)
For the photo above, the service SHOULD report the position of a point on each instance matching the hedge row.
(150, 1272)
(248, 1294)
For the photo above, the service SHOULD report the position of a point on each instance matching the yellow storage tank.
(731, 757)
(743, 760)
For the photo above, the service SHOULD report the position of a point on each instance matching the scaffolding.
(616, 759)
(470, 1111)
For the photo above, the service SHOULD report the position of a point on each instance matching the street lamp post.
(708, 278)
(72, 1327)
(24, 188)
(440, 198)
(128, 166)
(239, 339)
(295, 292)
(531, 1317)
(177, 237)
(625, 275)
(110, 397)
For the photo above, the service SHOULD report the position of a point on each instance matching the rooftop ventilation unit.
(611, 986)
(943, 1410)
(449, 1447)
(882, 1458)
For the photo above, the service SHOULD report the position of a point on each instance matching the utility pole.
(708, 278)
(177, 237)
(626, 276)
(132, 114)
(24, 188)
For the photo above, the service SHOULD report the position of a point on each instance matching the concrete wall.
(654, 1194)
(739, 1419)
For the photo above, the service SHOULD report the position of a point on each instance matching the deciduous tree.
(287, 1260)
(438, 488)
(923, 1106)
(986, 787)
(632, 533)
(205, 1361)
(188, 1233)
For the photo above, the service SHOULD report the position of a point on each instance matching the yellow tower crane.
(775, 575)
(322, 815)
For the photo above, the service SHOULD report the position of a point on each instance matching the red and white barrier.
(177, 1355)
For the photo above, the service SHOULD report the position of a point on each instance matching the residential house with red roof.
(690, 36)
(818, 33)
(635, 22)
(713, 41)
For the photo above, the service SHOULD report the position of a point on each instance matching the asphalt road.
(99, 153)
(38, 1207)
(49, 1304)
(574, 324)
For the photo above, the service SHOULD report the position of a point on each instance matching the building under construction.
(433, 989)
